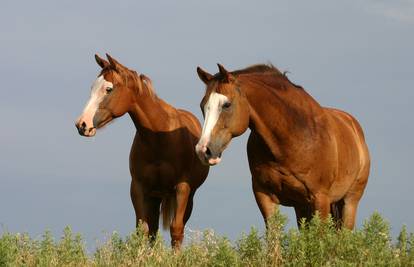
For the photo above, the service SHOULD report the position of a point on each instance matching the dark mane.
(265, 69)
(258, 68)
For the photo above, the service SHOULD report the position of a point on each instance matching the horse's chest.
(157, 175)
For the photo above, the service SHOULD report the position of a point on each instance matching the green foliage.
(317, 243)
(8, 249)
(135, 250)
(21, 250)
(219, 250)
(251, 249)
(70, 249)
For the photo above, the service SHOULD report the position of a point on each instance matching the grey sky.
(354, 55)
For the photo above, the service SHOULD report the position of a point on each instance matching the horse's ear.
(204, 75)
(101, 62)
(227, 76)
(114, 64)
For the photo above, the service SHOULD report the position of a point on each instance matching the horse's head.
(226, 114)
(110, 97)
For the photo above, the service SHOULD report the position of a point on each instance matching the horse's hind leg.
(351, 201)
(183, 191)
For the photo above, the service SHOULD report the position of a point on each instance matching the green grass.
(318, 243)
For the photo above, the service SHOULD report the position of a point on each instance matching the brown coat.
(164, 167)
(300, 154)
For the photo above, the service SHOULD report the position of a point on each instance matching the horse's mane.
(258, 68)
(267, 69)
(142, 82)
(146, 85)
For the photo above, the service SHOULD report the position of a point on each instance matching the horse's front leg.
(137, 197)
(152, 215)
(147, 210)
(183, 191)
(303, 211)
(267, 204)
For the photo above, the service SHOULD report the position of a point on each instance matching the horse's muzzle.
(84, 130)
(207, 155)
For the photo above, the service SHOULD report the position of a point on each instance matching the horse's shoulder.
(189, 121)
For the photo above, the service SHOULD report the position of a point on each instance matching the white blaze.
(212, 110)
(97, 95)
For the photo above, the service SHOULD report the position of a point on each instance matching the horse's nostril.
(208, 152)
(83, 125)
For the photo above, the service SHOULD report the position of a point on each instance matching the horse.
(164, 167)
(301, 155)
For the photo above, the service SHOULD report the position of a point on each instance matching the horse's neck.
(152, 114)
(281, 118)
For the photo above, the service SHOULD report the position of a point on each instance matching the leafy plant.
(317, 243)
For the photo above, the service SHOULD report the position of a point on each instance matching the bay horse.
(164, 167)
(300, 154)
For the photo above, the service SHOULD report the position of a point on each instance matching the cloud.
(401, 11)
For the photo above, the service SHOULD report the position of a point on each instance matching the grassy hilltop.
(316, 244)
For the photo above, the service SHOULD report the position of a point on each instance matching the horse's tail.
(168, 206)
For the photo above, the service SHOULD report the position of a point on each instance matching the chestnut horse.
(165, 169)
(300, 154)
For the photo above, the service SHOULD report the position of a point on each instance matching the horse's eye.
(227, 105)
(109, 89)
